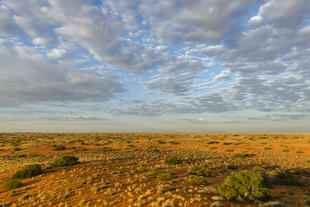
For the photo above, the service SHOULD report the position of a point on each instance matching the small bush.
(66, 161)
(29, 171)
(202, 171)
(284, 178)
(247, 185)
(168, 175)
(258, 169)
(173, 160)
(11, 184)
(59, 148)
(231, 166)
(153, 172)
(239, 155)
(21, 156)
(198, 180)
(174, 142)
(212, 142)
(141, 169)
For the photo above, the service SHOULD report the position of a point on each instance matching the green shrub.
(153, 172)
(212, 142)
(174, 142)
(198, 180)
(239, 155)
(66, 161)
(247, 185)
(21, 156)
(161, 142)
(29, 171)
(202, 171)
(11, 184)
(168, 175)
(173, 160)
(231, 166)
(59, 148)
(284, 178)
(258, 169)
(141, 169)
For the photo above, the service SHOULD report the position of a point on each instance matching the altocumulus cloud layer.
(220, 61)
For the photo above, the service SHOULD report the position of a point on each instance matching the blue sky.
(154, 65)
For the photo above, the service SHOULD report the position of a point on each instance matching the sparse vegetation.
(137, 169)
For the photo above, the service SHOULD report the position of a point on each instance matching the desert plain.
(152, 169)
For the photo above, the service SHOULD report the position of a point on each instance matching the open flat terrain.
(151, 169)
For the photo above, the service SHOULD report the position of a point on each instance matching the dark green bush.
(231, 166)
(173, 160)
(11, 184)
(59, 148)
(66, 161)
(239, 155)
(247, 185)
(29, 171)
(203, 170)
(284, 178)
(198, 180)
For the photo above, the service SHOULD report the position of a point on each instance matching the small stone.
(217, 198)
(161, 190)
(108, 193)
(118, 185)
(95, 190)
(63, 197)
(216, 204)
(12, 193)
(273, 204)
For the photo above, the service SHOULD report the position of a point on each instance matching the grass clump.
(173, 160)
(198, 180)
(11, 184)
(29, 171)
(141, 169)
(247, 185)
(168, 175)
(66, 161)
(203, 170)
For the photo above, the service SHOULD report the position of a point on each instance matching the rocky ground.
(121, 169)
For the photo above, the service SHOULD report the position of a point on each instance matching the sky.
(154, 65)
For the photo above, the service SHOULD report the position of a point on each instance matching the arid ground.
(133, 169)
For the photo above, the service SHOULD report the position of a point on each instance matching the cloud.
(174, 57)
(27, 77)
